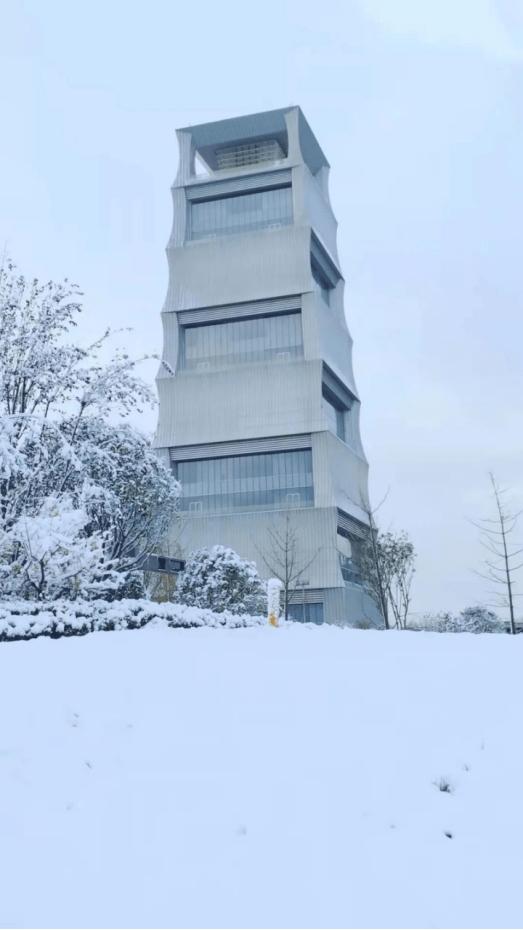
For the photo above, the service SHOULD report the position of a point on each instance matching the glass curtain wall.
(271, 481)
(322, 286)
(270, 338)
(242, 213)
(350, 571)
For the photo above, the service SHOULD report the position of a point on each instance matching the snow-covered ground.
(261, 778)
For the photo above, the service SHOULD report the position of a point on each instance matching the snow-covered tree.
(220, 580)
(134, 496)
(386, 565)
(50, 554)
(397, 555)
(366, 556)
(40, 372)
(56, 438)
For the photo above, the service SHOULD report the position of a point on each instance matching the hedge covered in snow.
(27, 620)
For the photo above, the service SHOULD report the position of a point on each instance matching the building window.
(257, 339)
(271, 481)
(322, 285)
(335, 413)
(350, 571)
(306, 613)
(241, 213)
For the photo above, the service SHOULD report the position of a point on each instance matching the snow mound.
(259, 777)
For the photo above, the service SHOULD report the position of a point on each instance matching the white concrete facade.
(250, 273)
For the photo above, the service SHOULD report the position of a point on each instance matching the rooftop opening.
(256, 134)
(250, 153)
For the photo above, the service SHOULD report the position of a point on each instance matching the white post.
(274, 587)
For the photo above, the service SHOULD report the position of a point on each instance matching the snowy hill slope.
(261, 778)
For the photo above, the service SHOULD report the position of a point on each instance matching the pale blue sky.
(418, 107)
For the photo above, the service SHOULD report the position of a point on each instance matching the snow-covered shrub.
(113, 585)
(220, 580)
(480, 620)
(470, 620)
(27, 620)
(442, 622)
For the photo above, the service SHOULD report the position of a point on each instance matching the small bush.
(444, 785)
(364, 625)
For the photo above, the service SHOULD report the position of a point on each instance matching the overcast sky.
(418, 107)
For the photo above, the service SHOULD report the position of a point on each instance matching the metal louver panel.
(323, 261)
(337, 388)
(238, 311)
(207, 190)
(244, 447)
(312, 596)
(250, 153)
(352, 526)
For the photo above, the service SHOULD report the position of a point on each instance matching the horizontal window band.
(257, 182)
(230, 508)
(217, 450)
(238, 311)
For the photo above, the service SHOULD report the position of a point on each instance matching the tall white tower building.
(259, 413)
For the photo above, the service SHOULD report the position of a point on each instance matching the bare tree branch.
(497, 542)
(283, 560)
